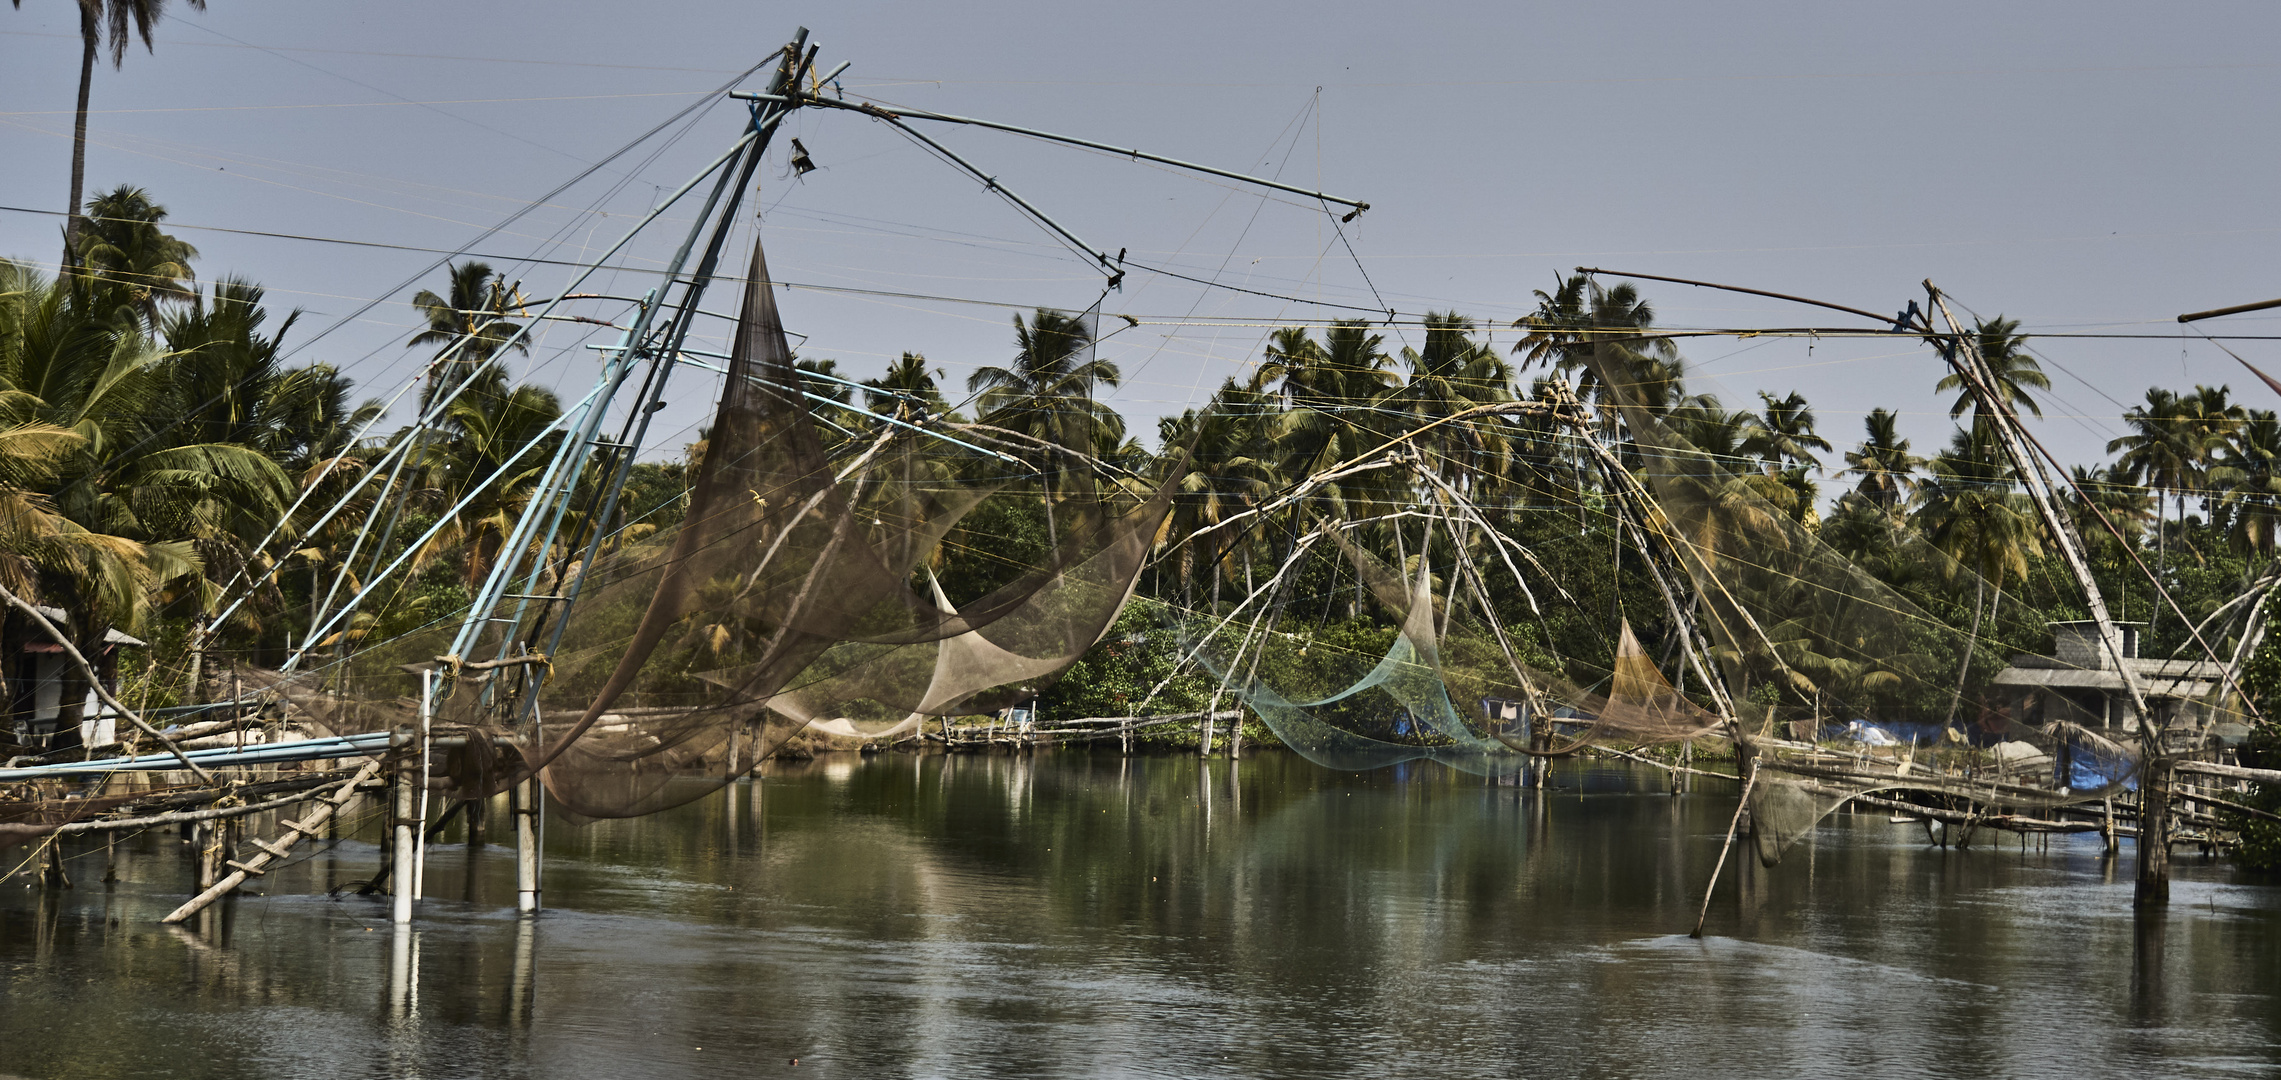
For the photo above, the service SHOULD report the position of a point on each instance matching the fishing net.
(793, 590)
(1446, 646)
(1843, 686)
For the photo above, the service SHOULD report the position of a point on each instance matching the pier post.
(403, 971)
(2154, 834)
(420, 811)
(519, 983)
(523, 806)
(405, 807)
(209, 840)
(1540, 741)
(476, 811)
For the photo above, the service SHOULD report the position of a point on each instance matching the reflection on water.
(1066, 915)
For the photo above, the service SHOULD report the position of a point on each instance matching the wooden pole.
(209, 845)
(51, 871)
(259, 864)
(1732, 826)
(2153, 888)
(1964, 356)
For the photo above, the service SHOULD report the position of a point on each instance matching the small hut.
(38, 675)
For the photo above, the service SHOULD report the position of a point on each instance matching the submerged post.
(420, 812)
(404, 803)
(522, 805)
(2153, 886)
(1540, 744)
(1733, 827)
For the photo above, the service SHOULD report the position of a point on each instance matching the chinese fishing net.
(1843, 686)
(793, 590)
(1344, 705)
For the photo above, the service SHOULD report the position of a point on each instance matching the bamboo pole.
(1741, 805)
(2236, 772)
(259, 863)
(1963, 355)
(1674, 770)
(186, 817)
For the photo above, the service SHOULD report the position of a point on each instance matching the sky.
(2085, 168)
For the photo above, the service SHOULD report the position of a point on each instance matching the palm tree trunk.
(88, 35)
(1219, 566)
(1972, 643)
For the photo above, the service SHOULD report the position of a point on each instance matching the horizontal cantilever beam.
(2237, 309)
(886, 113)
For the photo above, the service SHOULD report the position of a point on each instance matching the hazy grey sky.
(2083, 167)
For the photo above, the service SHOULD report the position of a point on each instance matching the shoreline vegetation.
(151, 432)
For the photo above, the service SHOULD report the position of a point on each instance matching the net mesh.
(795, 589)
(1844, 686)
(1357, 709)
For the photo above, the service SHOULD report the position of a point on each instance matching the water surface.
(1074, 915)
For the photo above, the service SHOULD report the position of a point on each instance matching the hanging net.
(1843, 686)
(794, 590)
(1353, 708)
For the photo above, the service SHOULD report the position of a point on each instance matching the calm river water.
(1067, 915)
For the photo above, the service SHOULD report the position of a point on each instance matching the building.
(36, 677)
(2082, 685)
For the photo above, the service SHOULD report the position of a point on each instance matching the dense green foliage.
(155, 437)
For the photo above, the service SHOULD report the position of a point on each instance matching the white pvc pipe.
(525, 813)
(420, 838)
(400, 877)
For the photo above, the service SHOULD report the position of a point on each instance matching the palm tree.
(1883, 462)
(2122, 503)
(121, 241)
(1451, 374)
(907, 389)
(1597, 335)
(2207, 423)
(1048, 392)
(2249, 473)
(140, 497)
(489, 422)
(102, 22)
(2013, 371)
(1713, 485)
(1783, 438)
(469, 325)
(1335, 392)
(1225, 454)
(2172, 442)
(1970, 512)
